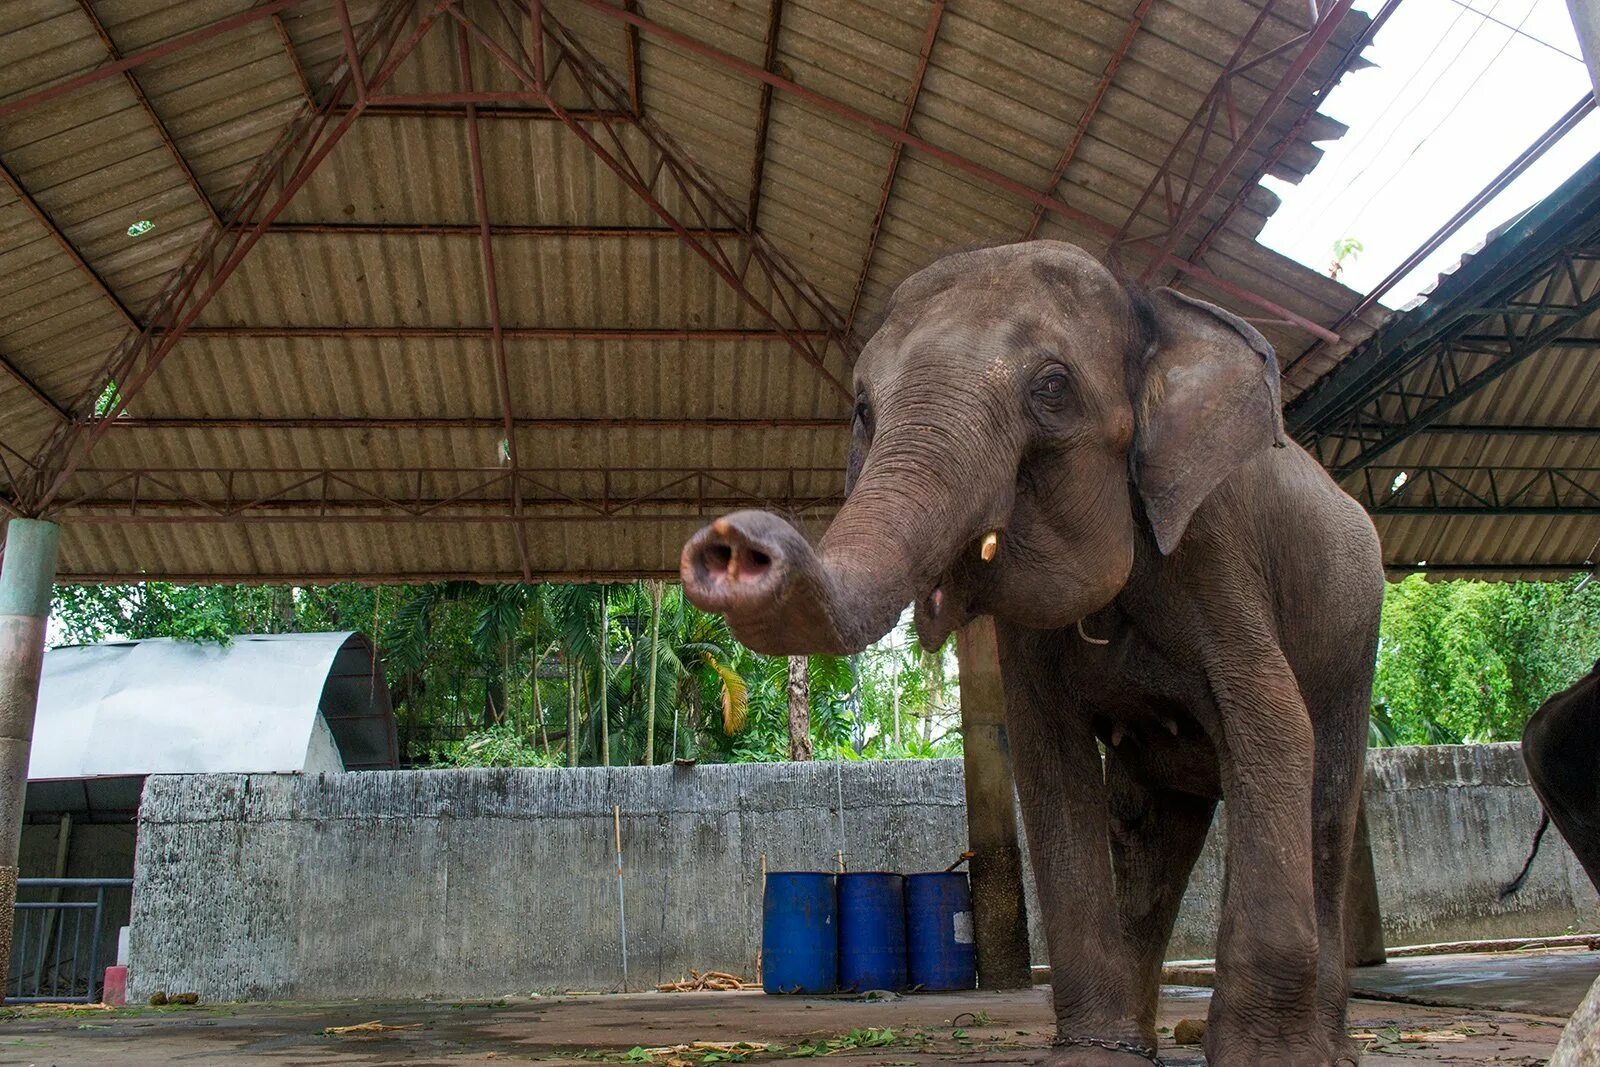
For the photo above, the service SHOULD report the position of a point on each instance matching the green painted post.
(26, 575)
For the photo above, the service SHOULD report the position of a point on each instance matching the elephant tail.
(1522, 875)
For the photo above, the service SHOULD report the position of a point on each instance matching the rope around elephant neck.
(1110, 1046)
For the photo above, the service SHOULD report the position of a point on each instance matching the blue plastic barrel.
(940, 950)
(800, 933)
(872, 931)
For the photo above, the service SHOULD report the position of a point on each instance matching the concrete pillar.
(1363, 920)
(999, 912)
(1586, 21)
(26, 575)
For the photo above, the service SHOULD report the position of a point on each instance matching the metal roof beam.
(150, 112)
(1090, 110)
(491, 292)
(1507, 567)
(758, 165)
(935, 16)
(1187, 205)
(985, 174)
(246, 422)
(1425, 489)
(445, 229)
(1502, 271)
(282, 171)
(361, 495)
(66, 245)
(1481, 429)
(517, 333)
(138, 59)
(1445, 373)
(15, 373)
(450, 106)
(794, 301)
(1292, 134)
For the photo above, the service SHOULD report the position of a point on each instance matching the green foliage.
(497, 746)
(1470, 661)
(512, 675)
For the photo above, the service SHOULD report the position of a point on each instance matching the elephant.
(1185, 604)
(1561, 748)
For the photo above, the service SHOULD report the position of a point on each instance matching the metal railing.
(55, 954)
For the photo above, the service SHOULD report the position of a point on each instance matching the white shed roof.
(262, 703)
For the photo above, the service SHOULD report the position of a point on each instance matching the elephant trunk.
(902, 527)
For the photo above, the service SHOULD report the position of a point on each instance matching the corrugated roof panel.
(1006, 83)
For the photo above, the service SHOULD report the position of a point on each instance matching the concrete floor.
(1479, 1026)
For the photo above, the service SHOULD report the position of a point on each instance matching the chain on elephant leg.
(1071, 1051)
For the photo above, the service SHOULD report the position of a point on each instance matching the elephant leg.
(1264, 1009)
(1156, 837)
(1561, 747)
(1341, 748)
(1061, 786)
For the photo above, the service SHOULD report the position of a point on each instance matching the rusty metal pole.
(999, 911)
(26, 574)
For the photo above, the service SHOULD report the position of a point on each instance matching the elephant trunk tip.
(763, 575)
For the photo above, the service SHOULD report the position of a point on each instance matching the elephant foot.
(1273, 1054)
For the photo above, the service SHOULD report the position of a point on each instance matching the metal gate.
(56, 942)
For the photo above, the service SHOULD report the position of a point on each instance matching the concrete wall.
(473, 883)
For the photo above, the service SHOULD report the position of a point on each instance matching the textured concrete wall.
(473, 883)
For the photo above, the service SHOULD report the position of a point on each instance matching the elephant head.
(1019, 414)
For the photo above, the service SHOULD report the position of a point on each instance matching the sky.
(1460, 88)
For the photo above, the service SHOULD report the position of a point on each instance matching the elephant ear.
(1208, 401)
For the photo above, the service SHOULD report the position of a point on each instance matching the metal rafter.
(896, 152)
(282, 170)
(446, 229)
(66, 245)
(1313, 105)
(1477, 490)
(390, 495)
(145, 55)
(450, 106)
(1135, 21)
(988, 175)
(795, 304)
(150, 112)
(491, 293)
(15, 373)
(294, 60)
(518, 333)
(769, 57)
(444, 422)
(1186, 197)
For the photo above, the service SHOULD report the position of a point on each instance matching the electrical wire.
(1329, 202)
(1460, 102)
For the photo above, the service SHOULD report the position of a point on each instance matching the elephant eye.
(1052, 387)
(863, 415)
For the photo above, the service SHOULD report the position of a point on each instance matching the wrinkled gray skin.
(1129, 451)
(1561, 746)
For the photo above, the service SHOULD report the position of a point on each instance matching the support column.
(26, 575)
(1363, 920)
(1000, 915)
(1586, 21)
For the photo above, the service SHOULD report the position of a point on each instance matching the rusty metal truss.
(473, 495)
(796, 308)
(1184, 194)
(271, 184)
(1141, 246)
(1478, 490)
